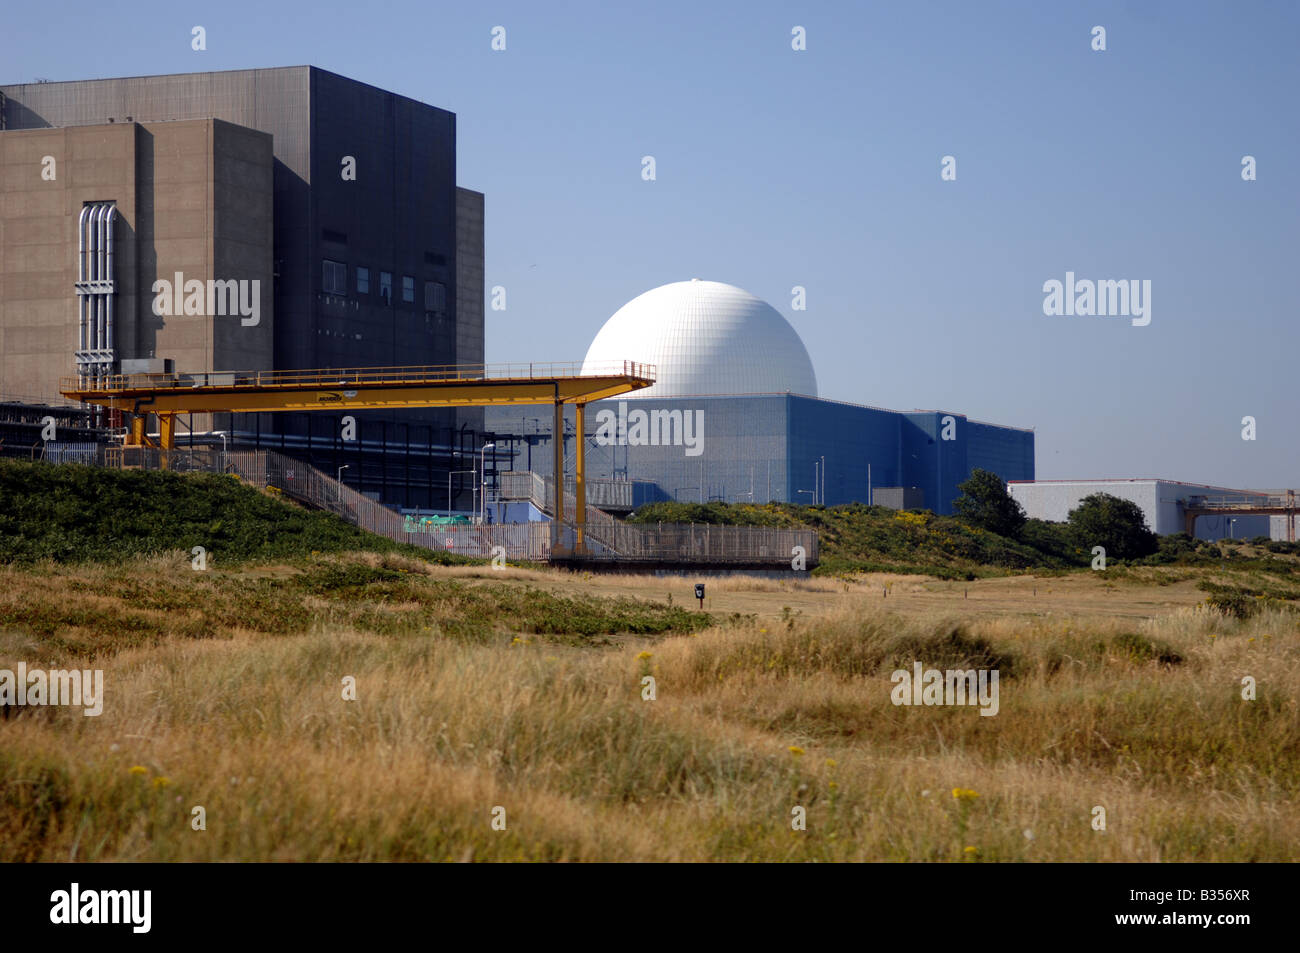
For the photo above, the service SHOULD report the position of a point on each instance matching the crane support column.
(166, 439)
(557, 517)
(580, 475)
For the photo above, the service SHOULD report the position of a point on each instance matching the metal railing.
(606, 538)
(527, 485)
(71, 451)
(269, 469)
(180, 459)
(700, 544)
(1243, 501)
(610, 539)
(360, 376)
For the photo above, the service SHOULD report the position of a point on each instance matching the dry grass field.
(518, 695)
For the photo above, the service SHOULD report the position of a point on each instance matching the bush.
(1119, 526)
(986, 504)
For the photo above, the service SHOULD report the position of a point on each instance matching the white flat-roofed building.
(1162, 501)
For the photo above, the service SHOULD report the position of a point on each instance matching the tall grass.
(752, 718)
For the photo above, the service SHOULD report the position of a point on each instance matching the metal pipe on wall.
(92, 329)
(110, 218)
(103, 309)
(96, 246)
(82, 304)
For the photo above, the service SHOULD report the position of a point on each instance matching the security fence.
(605, 539)
(69, 451)
(702, 544)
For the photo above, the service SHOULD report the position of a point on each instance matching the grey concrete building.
(92, 216)
(339, 199)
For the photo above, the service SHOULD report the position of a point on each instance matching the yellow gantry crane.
(370, 388)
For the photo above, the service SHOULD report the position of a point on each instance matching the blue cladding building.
(767, 447)
(734, 417)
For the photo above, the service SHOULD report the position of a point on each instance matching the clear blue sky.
(821, 168)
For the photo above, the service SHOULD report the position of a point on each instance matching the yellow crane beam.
(372, 388)
(357, 389)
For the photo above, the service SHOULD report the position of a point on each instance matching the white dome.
(706, 338)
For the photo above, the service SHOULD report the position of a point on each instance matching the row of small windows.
(335, 282)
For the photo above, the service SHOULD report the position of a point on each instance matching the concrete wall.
(899, 497)
(192, 197)
(38, 248)
(469, 291)
(206, 212)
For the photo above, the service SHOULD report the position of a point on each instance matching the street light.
(222, 434)
(483, 480)
(340, 492)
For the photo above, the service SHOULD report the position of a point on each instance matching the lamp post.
(222, 434)
(483, 481)
(340, 480)
(823, 480)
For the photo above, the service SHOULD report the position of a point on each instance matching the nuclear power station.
(735, 416)
(282, 260)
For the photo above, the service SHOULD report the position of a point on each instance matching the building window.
(335, 279)
(363, 281)
(386, 286)
(408, 288)
(435, 297)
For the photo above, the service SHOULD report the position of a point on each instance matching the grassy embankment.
(524, 690)
(860, 538)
